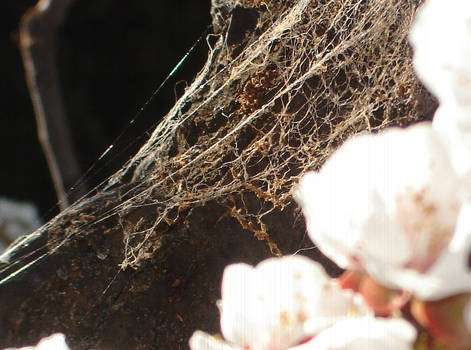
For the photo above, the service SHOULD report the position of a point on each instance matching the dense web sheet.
(274, 99)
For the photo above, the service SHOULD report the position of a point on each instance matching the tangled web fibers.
(285, 83)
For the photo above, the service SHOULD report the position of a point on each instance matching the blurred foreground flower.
(287, 303)
(349, 334)
(365, 333)
(390, 203)
(53, 342)
(441, 38)
(442, 58)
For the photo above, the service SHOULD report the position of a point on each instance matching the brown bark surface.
(138, 264)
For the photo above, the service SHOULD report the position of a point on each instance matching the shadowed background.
(111, 56)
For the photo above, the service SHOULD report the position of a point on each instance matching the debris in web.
(321, 72)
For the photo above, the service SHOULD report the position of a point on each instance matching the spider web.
(275, 98)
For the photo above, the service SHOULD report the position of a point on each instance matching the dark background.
(112, 54)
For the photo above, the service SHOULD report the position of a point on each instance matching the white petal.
(239, 301)
(453, 125)
(449, 275)
(53, 342)
(452, 272)
(56, 342)
(280, 302)
(364, 333)
(441, 37)
(388, 199)
(269, 304)
(335, 304)
(203, 341)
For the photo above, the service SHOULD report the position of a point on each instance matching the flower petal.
(444, 68)
(280, 302)
(203, 341)
(364, 333)
(55, 341)
(387, 199)
(452, 272)
(453, 125)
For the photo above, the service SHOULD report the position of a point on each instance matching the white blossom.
(203, 341)
(278, 304)
(53, 342)
(453, 124)
(348, 334)
(388, 203)
(365, 333)
(441, 38)
(451, 273)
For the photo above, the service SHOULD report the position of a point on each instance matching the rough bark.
(138, 264)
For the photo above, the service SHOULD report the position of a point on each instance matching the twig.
(38, 32)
